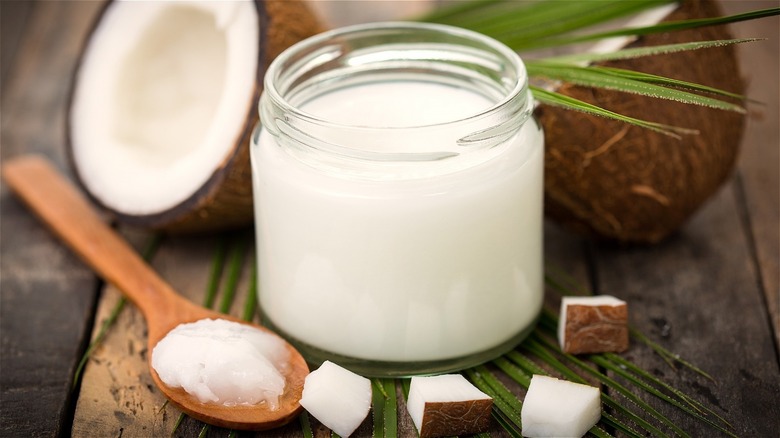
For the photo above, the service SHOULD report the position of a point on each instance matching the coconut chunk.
(594, 324)
(448, 405)
(337, 397)
(559, 408)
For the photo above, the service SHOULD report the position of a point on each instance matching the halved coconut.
(163, 103)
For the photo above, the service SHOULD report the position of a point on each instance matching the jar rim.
(519, 88)
(373, 53)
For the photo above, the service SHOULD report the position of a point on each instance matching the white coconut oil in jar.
(397, 178)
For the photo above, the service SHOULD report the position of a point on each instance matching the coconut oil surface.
(399, 271)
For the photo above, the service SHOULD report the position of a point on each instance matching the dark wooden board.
(48, 297)
(13, 22)
(758, 179)
(45, 312)
(693, 296)
(695, 290)
(710, 293)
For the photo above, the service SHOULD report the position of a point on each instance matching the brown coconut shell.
(225, 200)
(467, 417)
(618, 182)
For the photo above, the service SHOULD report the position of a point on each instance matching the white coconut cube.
(448, 405)
(337, 397)
(559, 408)
(593, 324)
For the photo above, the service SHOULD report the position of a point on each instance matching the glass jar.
(397, 179)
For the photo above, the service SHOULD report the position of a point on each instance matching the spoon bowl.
(243, 417)
(62, 207)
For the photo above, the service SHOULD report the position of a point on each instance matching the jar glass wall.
(397, 177)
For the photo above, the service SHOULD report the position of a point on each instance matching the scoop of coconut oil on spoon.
(70, 216)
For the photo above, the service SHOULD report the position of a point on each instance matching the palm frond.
(561, 100)
(670, 26)
(521, 25)
(527, 26)
(620, 80)
(385, 408)
(638, 52)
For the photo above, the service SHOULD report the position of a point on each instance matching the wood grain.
(758, 178)
(48, 296)
(711, 293)
(66, 212)
(693, 297)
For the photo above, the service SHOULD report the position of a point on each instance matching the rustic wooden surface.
(711, 293)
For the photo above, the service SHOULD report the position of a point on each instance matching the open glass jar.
(397, 177)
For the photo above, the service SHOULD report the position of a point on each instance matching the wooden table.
(710, 293)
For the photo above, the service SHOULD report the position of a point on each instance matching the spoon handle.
(62, 207)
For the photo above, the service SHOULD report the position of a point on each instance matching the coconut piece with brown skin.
(593, 324)
(164, 101)
(448, 405)
(606, 179)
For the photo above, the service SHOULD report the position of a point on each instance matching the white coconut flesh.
(559, 408)
(161, 98)
(337, 397)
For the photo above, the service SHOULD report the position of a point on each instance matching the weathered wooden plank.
(702, 293)
(46, 308)
(130, 406)
(710, 293)
(47, 295)
(34, 94)
(117, 395)
(697, 295)
(13, 18)
(759, 165)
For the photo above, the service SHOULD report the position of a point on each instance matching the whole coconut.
(614, 181)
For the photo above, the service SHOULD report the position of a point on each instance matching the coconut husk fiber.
(225, 200)
(617, 182)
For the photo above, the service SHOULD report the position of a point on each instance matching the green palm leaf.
(558, 99)
(674, 83)
(615, 79)
(536, 355)
(663, 27)
(525, 26)
(521, 25)
(384, 407)
(505, 404)
(638, 52)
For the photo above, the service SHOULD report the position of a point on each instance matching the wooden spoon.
(70, 216)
